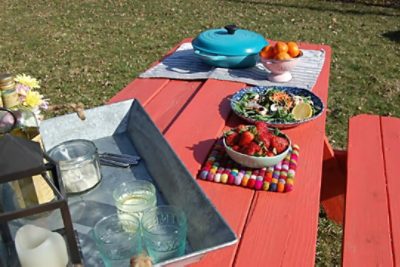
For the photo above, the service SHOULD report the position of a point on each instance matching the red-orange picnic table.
(273, 228)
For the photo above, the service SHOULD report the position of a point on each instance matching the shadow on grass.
(321, 8)
(392, 36)
(389, 4)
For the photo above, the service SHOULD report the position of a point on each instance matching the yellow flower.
(33, 99)
(27, 80)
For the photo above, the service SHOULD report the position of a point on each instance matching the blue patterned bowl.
(277, 122)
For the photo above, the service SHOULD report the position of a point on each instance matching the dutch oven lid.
(229, 41)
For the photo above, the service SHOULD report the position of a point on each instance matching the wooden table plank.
(141, 89)
(202, 122)
(367, 240)
(282, 229)
(171, 101)
(192, 136)
(391, 146)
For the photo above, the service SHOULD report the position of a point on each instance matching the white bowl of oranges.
(256, 146)
(280, 59)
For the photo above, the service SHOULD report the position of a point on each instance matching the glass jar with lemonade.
(134, 197)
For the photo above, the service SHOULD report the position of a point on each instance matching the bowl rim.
(276, 124)
(265, 157)
(278, 60)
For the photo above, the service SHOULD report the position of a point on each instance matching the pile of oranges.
(280, 51)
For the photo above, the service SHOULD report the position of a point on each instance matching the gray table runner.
(183, 64)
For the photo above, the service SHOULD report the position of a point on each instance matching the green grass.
(86, 51)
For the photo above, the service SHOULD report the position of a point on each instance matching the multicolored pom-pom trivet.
(220, 168)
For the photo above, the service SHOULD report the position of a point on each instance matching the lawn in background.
(86, 51)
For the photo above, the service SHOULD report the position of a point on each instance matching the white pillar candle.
(39, 247)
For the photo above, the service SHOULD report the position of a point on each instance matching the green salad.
(275, 105)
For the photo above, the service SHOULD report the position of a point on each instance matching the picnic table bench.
(273, 228)
(372, 208)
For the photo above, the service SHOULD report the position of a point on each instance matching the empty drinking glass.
(118, 240)
(164, 232)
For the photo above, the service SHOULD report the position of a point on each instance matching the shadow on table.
(202, 149)
(231, 120)
(257, 73)
(185, 62)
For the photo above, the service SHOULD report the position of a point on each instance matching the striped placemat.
(183, 64)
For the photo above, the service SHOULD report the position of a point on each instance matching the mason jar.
(8, 93)
(79, 165)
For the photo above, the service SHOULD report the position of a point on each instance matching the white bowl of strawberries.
(256, 146)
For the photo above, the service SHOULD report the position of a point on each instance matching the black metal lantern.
(21, 158)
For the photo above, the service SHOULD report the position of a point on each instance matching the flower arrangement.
(26, 87)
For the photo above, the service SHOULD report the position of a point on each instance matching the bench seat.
(372, 207)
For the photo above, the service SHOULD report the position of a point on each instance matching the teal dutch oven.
(229, 47)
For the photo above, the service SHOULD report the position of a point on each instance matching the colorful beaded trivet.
(220, 168)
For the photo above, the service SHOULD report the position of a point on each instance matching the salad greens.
(272, 105)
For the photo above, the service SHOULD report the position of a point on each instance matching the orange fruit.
(282, 56)
(281, 47)
(268, 52)
(293, 49)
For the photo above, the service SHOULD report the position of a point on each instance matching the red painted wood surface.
(367, 227)
(282, 228)
(391, 147)
(195, 131)
(333, 186)
(275, 229)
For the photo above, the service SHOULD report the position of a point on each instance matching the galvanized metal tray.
(126, 128)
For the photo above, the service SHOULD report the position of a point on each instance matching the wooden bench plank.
(367, 240)
(391, 145)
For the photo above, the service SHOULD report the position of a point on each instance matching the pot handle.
(231, 28)
(210, 57)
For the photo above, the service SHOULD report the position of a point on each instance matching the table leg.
(333, 187)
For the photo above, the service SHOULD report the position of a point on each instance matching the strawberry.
(265, 138)
(270, 154)
(241, 128)
(264, 134)
(279, 143)
(243, 149)
(236, 148)
(232, 139)
(261, 127)
(245, 138)
(252, 149)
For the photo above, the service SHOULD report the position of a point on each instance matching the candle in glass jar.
(79, 164)
(81, 178)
